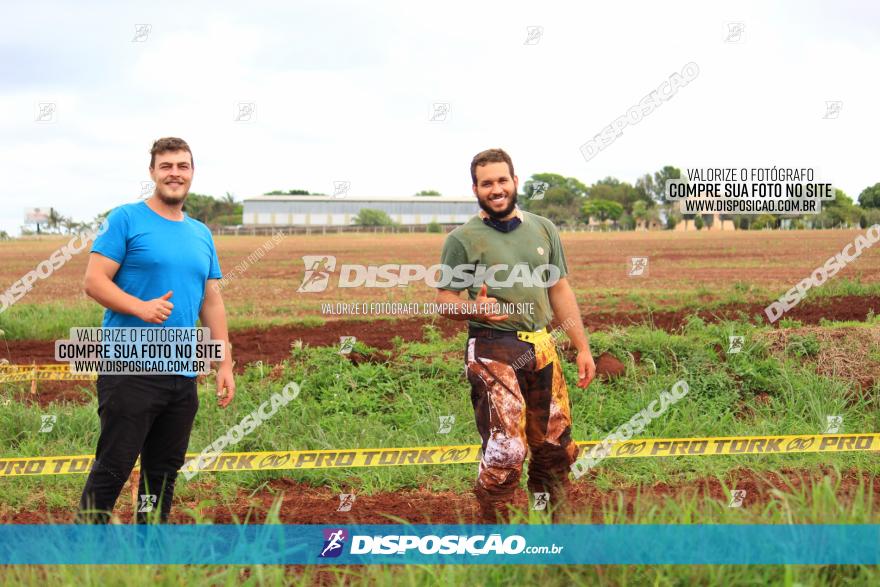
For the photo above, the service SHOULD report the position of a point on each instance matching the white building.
(342, 211)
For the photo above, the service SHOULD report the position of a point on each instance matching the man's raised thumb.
(167, 296)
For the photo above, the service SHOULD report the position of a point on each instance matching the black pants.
(150, 415)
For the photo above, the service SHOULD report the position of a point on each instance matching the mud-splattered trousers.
(521, 406)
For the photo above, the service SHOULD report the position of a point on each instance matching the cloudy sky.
(347, 92)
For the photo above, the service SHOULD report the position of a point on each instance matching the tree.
(209, 210)
(615, 190)
(370, 217)
(562, 197)
(764, 221)
(289, 193)
(54, 222)
(870, 197)
(655, 186)
(601, 210)
(841, 210)
(698, 221)
(870, 217)
(429, 193)
(640, 211)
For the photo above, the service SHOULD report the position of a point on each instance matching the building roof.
(425, 199)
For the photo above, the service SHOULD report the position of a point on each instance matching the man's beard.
(498, 215)
(170, 200)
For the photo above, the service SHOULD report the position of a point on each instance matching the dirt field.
(706, 267)
(678, 262)
(305, 504)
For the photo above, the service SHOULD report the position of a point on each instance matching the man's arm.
(567, 314)
(99, 286)
(213, 316)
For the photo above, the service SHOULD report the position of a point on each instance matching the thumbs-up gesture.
(157, 310)
(487, 309)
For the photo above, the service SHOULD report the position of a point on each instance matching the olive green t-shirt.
(531, 245)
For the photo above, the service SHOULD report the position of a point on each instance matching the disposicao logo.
(319, 268)
(334, 540)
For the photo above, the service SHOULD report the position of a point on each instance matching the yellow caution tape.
(53, 372)
(446, 455)
(46, 376)
(57, 367)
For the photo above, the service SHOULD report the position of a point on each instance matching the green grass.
(397, 401)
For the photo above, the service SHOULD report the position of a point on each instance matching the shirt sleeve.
(214, 272)
(453, 255)
(112, 242)
(557, 253)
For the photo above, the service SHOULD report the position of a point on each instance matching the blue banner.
(440, 544)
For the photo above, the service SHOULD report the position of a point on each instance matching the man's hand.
(157, 310)
(482, 302)
(225, 385)
(586, 368)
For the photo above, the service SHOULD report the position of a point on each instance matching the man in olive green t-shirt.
(518, 391)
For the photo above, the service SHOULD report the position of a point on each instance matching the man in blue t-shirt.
(154, 266)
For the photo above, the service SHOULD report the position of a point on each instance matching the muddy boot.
(493, 509)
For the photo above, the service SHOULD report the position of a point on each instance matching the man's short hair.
(169, 144)
(490, 156)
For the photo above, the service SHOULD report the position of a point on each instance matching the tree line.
(613, 203)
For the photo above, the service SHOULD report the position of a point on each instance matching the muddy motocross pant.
(521, 406)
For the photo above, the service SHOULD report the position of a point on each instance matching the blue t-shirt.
(156, 255)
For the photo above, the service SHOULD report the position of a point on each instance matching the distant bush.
(434, 227)
(370, 217)
(764, 221)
